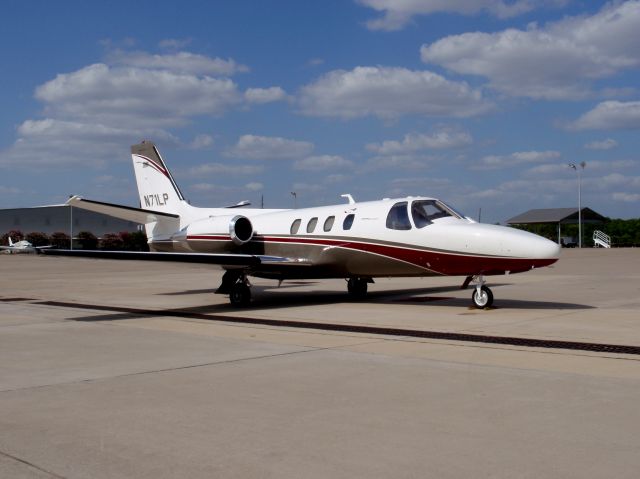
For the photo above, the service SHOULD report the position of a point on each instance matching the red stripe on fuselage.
(446, 263)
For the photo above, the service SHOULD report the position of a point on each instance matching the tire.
(357, 287)
(484, 299)
(240, 295)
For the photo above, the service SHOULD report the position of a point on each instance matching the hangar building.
(51, 219)
(557, 217)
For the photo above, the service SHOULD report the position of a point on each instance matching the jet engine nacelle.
(238, 228)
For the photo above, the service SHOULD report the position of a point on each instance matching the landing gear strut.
(357, 287)
(236, 284)
(482, 296)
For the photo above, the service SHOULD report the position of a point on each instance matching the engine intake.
(240, 230)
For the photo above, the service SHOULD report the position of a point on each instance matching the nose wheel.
(482, 296)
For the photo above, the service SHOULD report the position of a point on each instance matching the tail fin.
(10, 241)
(157, 189)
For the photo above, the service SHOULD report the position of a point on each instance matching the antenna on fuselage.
(349, 198)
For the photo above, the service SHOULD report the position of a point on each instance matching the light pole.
(295, 199)
(579, 171)
(70, 226)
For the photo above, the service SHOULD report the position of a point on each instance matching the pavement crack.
(164, 370)
(32, 465)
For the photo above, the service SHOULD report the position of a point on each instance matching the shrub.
(111, 242)
(136, 241)
(87, 240)
(60, 240)
(38, 239)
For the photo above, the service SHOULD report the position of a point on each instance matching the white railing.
(601, 239)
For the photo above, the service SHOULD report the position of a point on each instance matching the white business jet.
(413, 236)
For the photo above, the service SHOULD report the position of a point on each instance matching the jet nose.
(548, 249)
(543, 251)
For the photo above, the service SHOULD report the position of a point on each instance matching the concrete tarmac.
(114, 369)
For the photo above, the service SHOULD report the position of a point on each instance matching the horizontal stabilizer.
(137, 215)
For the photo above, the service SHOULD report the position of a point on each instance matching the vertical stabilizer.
(157, 189)
(10, 241)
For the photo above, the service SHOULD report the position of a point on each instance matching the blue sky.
(482, 103)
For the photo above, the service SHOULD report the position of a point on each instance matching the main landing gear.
(482, 296)
(236, 284)
(357, 287)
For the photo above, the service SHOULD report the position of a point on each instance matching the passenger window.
(348, 222)
(398, 217)
(328, 224)
(295, 226)
(311, 225)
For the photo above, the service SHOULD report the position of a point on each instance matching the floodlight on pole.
(295, 199)
(581, 166)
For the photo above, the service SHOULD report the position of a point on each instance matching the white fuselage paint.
(449, 245)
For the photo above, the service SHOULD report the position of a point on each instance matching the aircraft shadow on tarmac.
(269, 298)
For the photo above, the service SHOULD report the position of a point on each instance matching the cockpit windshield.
(424, 212)
(453, 210)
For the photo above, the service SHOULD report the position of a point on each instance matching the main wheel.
(482, 299)
(240, 295)
(357, 287)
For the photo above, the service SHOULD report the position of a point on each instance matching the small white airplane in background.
(413, 236)
(22, 246)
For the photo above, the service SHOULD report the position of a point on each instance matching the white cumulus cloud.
(626, 197)
(494, 162)
(133, 96)
(264, 95)
(389, 93)
(254, 147)
(610, 115)
(201, 142)
(254, 186)
(412, 142)
(397, 13)
(607, 144)
(183, 62)
(220, 169)
(558, 61)
(322, 162)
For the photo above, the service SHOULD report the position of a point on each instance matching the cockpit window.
(424, 212)
(398, 217)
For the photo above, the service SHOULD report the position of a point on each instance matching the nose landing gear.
(482, 296)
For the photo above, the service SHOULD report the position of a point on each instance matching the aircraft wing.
(206, 258)
(137, 215)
